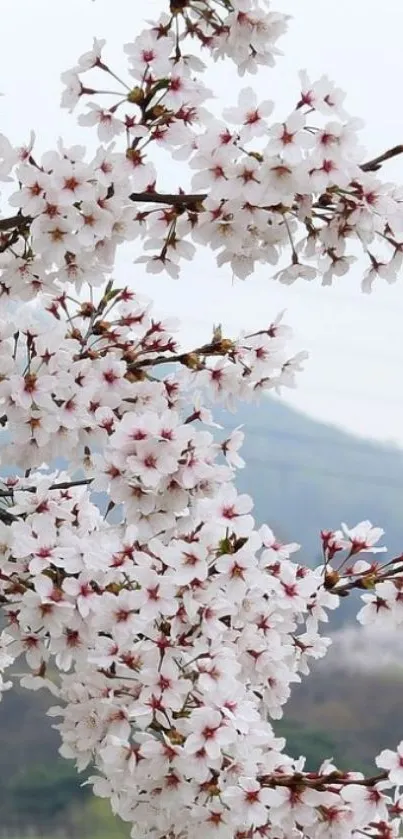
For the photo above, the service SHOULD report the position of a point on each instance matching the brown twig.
(189, 359)
(359, 582)
(8, 493)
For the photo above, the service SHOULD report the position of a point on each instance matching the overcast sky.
(354, 375)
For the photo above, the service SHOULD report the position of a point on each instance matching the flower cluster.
(81, 377)
(173, 651)
(299, 185)
(134, 581)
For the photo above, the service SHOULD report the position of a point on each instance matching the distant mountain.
(306, 476)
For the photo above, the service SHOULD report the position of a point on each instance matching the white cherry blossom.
(169, 627)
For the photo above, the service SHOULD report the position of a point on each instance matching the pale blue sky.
(354, 375)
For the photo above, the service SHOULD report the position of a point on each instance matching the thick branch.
(376, 163)
(14, 221)
(6, 517)
(181, 200)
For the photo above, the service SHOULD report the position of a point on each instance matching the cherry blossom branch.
(189, 359)
(320, 781)
(110, 600)
(180, 200)
(360, 582)
(366, 581)
(63, 485)
(191, 199)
